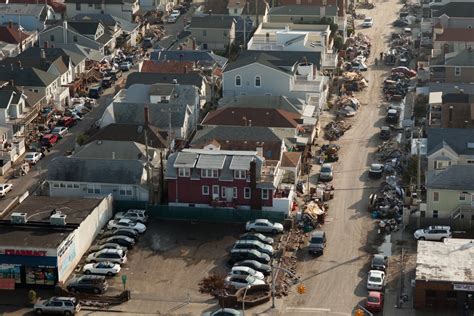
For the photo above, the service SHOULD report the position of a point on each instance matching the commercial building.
(444, 274)
(44, 238)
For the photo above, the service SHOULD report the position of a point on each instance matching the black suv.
(88, 283)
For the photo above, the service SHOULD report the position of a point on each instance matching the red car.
(404, 70)
(374, 302)
(67, 121)
(49, 139)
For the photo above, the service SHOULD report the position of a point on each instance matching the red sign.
(7, 284)
(22, 252)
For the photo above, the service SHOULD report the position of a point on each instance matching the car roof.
(439, 227)
(379, 256)
(261, 220)
(392, 111)
(375, 294)
(385, 128)
(110, 250)
(326, 165)
(317, 233)
(376, 272)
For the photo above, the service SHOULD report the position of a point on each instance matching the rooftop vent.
(18, 218)
(57, 219)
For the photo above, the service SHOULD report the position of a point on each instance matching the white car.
(264, 226)
(111, 255)
(244, 271)
(133, 215)
(175, 13)
(171, 19)
(243, 281)
(5, 188)
(104, 268)
(33, 157)
(368, 22)
(433, 233)
(376, 280)
(61, 131)
(107, 246)
(127, 223)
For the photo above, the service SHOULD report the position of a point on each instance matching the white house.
(125, 9)
(32, 17)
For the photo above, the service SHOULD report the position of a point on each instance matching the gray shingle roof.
(96, 170)
(456, 9)
(192, 78)
(5, 97)
(281, 61)
(457, 177)
(21, 9)
(185, 55)
(303, 10)
(84, 27)
(212, 22)
(463, 58)
(26, 76)
(456, 138)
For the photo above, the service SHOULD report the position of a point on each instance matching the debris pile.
(347, 106)
(335, 129)
(387, 204)
(353, 81)
(328, 153)
(358, 45)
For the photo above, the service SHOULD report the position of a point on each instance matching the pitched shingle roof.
(290, 159)
(456, 35)
(456, 9)
(187, 55)
(456, 138)
(242, 116)
(212, 22)
(96, 170)
(456, 177)
(193, 78)
(169, 66)
(26, 76)
(463, 58)
(12, 35)
(303, 10)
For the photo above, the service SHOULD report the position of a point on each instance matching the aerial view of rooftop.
(237, 157)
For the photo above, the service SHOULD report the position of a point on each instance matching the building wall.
(451, 46)
(448, 201)
(138, 193)
(73, 248)
(466, 75)
(214, 38)
(440, 298)
(273, 82)
(189, 191)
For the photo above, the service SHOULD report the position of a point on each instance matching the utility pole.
(256, 12)
(418, 172)
(169, 111)
(273, 272)
(148, 171)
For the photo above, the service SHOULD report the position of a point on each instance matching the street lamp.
(273, 280)
(243, 299)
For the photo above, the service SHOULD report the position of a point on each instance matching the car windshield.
(378, 261)
(316, 240)
(325, 169)
(372, 299)
(374, 279)
(29, 156)
(368, 20)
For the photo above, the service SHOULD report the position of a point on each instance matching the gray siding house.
(90, 177)
(213, 32)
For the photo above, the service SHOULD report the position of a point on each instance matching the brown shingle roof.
(290, 159)
(240, 116)
(12, 35)
(456, 35)
(170, 66)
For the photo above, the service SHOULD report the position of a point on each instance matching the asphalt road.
(336, 281)
(174, 32)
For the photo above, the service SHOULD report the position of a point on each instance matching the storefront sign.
(463, 287)
(23, 252)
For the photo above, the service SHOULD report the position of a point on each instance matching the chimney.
(146, 115)
(194, 43)
(43, 54)
(45, 44)
(10, 25)
(12, 82)
(65, 32)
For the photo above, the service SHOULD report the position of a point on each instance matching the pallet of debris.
(336, 129)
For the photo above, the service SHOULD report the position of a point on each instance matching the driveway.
(336, 281)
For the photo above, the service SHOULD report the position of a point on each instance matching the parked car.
(374, 302)
(109, 245)
(115, 74)
(385, 133)
(254, 244)
(110, 255)
(58, 305)
(317, 242)
(67, 121)
(120, 240)
(224, 312)
(175, 13)
(433, 233)
(326, 172)
(129, 232)
(95, 92)
(135, 215)
(239, 270)
(254, 264)
(147, 42)
(379, 262)
(126, 223)
(33, 157)
(376, 171)
(106, 82)
(104, 268)
(248, 254)
(392, 116)
(376, 280)
(368, 22)
(357, 65)
(5, 188)
(257, 236)
(61, 131)
(49, 140)
(126, 66)
(264, 226)
(171, 19)
(404, 70)
(401, 23)
(240, 281)
(88, 283)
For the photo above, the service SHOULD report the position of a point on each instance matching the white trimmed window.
(435, 196)
(205, 190)
(258, 81)
(55, 185)
(240, 174)
(265, 194)
(247, 193)
(125, 191)
(238, 81)
(209, 173)
(184, 172)
(457, 71)
(93, 189)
